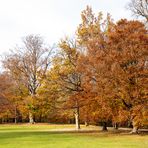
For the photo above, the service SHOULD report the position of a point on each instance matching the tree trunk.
(77, 120)
(2, 120)
(15, 115)
(15, 120)
(129, 123)
(104, 128)
(135, 128)
(86, 123)
(115, 126)
(31, 120)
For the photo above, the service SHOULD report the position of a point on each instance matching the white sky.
(52, 19)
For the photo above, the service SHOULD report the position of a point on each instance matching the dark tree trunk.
(15, 115)
(115, 126)
(104, 128)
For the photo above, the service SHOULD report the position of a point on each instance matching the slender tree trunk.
(15, 115)
(15, 120)
(40, 118)
(129, 123)
(115, 125)
(104, 128)
(7, 119)
(86, 120)
(2, 120)
(86, 123)
(31, 120)
(77, 120)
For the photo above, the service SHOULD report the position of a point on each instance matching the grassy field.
(59, 136)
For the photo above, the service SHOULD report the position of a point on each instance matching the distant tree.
(27, 64)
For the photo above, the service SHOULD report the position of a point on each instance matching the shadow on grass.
(51, 134)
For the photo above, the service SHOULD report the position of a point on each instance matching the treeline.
(99, 77)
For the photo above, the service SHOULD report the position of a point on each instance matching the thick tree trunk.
(31, 120)
(135, 128)
(104, 128)
(32, 92)
(77, 120)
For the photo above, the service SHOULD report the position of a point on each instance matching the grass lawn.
(44, 136)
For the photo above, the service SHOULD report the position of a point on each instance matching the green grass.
(34, 127)
(43, 136)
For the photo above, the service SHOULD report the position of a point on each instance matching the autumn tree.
(27, 64)
(48, 93)
(67, 79)
(128, 55)
(7, 108)
(92, 37)
(115, 72)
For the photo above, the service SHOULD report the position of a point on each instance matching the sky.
(52, 19)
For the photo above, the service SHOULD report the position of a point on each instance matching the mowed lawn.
(59, 136)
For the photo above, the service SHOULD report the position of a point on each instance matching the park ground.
(65, 136)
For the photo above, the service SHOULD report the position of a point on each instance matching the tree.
(92, 36)
(67, 79)
(139, 8)
(114, 67)
(128, 55)
(6, 106)
(27, 64)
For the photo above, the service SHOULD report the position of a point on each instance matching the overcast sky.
(52, 19)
